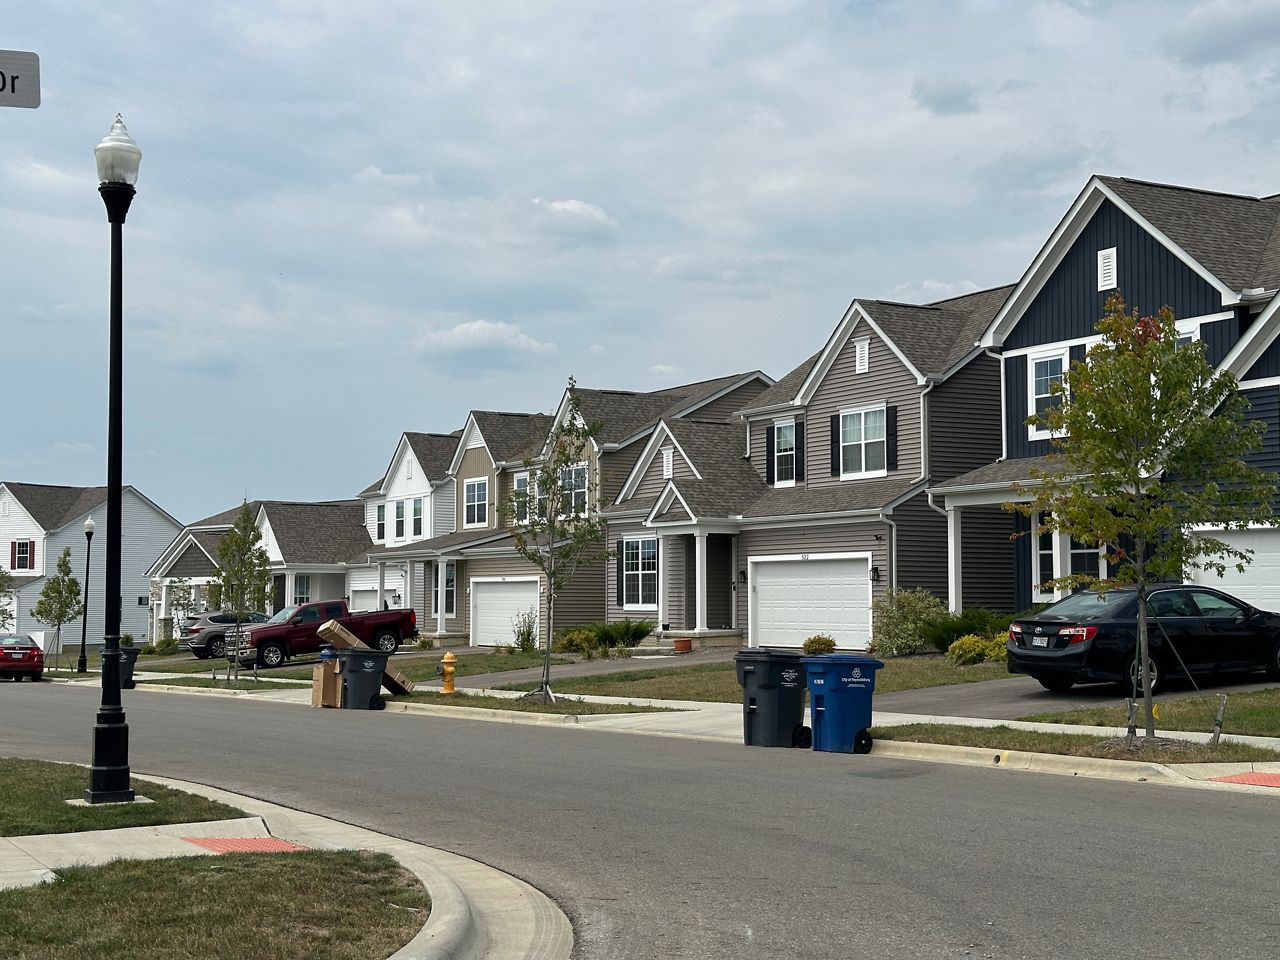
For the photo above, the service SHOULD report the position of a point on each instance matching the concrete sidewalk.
(477, 912)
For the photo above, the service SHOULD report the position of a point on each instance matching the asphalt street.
(687, 849)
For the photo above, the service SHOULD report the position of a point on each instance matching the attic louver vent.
(1107, 269)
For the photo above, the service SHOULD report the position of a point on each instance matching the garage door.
(1260, 582)
(794, 599)
(494, 604)
(365, 599)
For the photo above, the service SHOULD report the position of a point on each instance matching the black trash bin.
(362, 678)
(773, 691)
(128, 657)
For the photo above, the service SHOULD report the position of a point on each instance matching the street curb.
(1134, 771)
(484, 713)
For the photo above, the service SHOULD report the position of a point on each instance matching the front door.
(277, 593)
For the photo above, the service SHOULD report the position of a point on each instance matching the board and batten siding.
(1264, 405)
(986, 558)
(963, 416)
(814, 539)
(1069, 304)
(475, 463)
(727, 407)
(922, 548)
(886, 381)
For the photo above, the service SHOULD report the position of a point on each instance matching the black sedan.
(1090, 637)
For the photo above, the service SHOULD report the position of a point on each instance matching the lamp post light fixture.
(82, 665)
(118, 158)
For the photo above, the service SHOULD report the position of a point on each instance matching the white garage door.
(1260, 582)
(365, 599)
(794, 599)
(494, 604)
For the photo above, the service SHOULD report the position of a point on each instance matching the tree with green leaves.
(559, 533)
(1150, 454)
(244, 569)
(6, 600)
(182, 602)
(60, 600)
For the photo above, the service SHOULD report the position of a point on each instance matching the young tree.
(562, 532)
(1150, 448)
(6, 599)
(244, 570)
(182, 602)
(60, 601)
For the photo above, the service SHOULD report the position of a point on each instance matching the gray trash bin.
(362, 678)
(773, 691)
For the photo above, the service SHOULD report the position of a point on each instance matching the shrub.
(578, 640)
(161, 648)
(126, 640)
(971, 649)
(425, 643)
(946, 628)
(897, 618)
(524, 625)
(630, 632)
(819, 643)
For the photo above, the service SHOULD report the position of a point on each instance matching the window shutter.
(618, 586)
(13, 554)
(835, 444)
(31, 554)
(799, 453)
(768, 455)
(891, 438)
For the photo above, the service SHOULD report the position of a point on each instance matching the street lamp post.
(118, 158)
(82, 664)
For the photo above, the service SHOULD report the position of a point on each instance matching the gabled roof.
(434, 452)
(783, 393)
(373, 488)
(326, 532)
(54, 506)
(511, 437)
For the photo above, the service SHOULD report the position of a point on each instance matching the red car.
(20, 657)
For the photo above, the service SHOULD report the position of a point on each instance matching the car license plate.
(1039, 641)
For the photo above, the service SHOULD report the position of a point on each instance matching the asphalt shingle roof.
(327, 532)
(227, 517)
(444, 542)
(729, 483)
(512, 437)
(434, 452)
(1004, 472)
(625, 413)
(53, 506)
(828, 498)
(785, 390)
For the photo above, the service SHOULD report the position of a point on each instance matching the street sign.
(19, 79)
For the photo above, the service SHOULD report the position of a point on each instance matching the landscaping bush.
(946, 628)
(971, 649)
(578, 640)
(425, 643)
(160, 648)
(600, 636)
(819, 643)
(897, 619)
(630, 632)
(524, 626)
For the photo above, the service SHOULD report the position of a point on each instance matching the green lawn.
(244, 683)
(34, 791)
(718, 682)
(321, 905)
(1069, 744)
(180, 666)
(424, 668)
(572, 707)
(1253, 713)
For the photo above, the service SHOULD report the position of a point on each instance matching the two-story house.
(1213, 258)
(789, 525)
(37, 521)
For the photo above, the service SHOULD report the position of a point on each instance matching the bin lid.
(361, 652)
(844, 659)
(766, 654)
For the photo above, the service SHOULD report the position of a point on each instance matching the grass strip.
(576, 708)
(718, 682)
(34, 792)
(318, 905)
(468, 665)
(244, 683)
(1254, 713)
(1070, 744)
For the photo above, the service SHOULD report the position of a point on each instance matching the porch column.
(382, 584)
(408, 585)
(164, 607)
(955, 599)
(733, 583)
(700, 581)
(1061, 562)
(441, 567)
(662, 581)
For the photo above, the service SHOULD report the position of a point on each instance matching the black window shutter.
(835, 444)
(768, 455)
(13, 554)
(891, 438)
(799, 453)
(619, 585)
(31, 554)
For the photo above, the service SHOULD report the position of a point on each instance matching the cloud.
(575, 217)
(597, 350)
(1222, 31)
(483, 345)
(664, 370)
(930, 291)
(945, 96)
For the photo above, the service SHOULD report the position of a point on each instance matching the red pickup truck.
(293, 631)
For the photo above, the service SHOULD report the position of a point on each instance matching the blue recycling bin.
(840, 689)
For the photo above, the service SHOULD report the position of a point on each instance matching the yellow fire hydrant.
(447, 670)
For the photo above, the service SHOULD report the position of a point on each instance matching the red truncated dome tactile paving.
(244, 844)
(1254, 779)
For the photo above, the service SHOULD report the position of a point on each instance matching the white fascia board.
(458, 454)
(724, 391)
(836, 343)
(176, 549)
(813, 519)
(1241, 357)
(395, 462)
(642, 462)
(556, 421)
(669, 493)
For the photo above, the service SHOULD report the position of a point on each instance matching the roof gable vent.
(1107, 269)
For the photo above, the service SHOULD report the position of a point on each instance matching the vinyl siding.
(720, 583)
(18, 525)
(443, 511)
(1267, 365)
(727, 407)
(677, 561)
(615, 467)
(1069, 304)
(652, 483)
(505, 566)
(1264, 405)
(475, 463)
(986, 558)
(193, 562)
(1221, 335)
(886, 381)
(581, 601)
(613, 606)
(963, 416)
(922, 548)
(759, 433)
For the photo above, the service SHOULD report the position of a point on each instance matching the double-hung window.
(301, 588)
(573, 490)
(22, 559)
(1046, 371)
(399, 519)
(1042, 558)
(784, 454)
(450, 589)
(520, 486)
(417, 516)
(382, 522)
(862, 443)
(640, 573)
(475, 507)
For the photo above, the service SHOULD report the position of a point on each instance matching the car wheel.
(386, 641)
(216, 648)
(1056, 684)
(37, 677)
(201, 654)
(270, 655)
(1133, 682)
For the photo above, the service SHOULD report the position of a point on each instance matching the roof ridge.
(972, 293)
(1184, 189)
(1266, 245)
(899, 303)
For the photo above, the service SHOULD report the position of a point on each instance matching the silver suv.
(205, 633)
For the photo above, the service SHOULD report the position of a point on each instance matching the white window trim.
(476, 524)
(865, 474)
(1039, 594)
(528, 487)
(1061, 353)
(298, 599)
(862, 355)
(1104, 256)
(417, 518)
(380, 522)
(782, 484)
(639, 574)
(399, 520)
(586, 489)
(450, 593)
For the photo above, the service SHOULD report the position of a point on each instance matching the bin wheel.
(802, 737)
(377, 703)
(862, 742)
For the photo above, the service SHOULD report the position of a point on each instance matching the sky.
(355, 219)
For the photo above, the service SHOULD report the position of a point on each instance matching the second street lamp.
(118, 158)
(82, 665)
